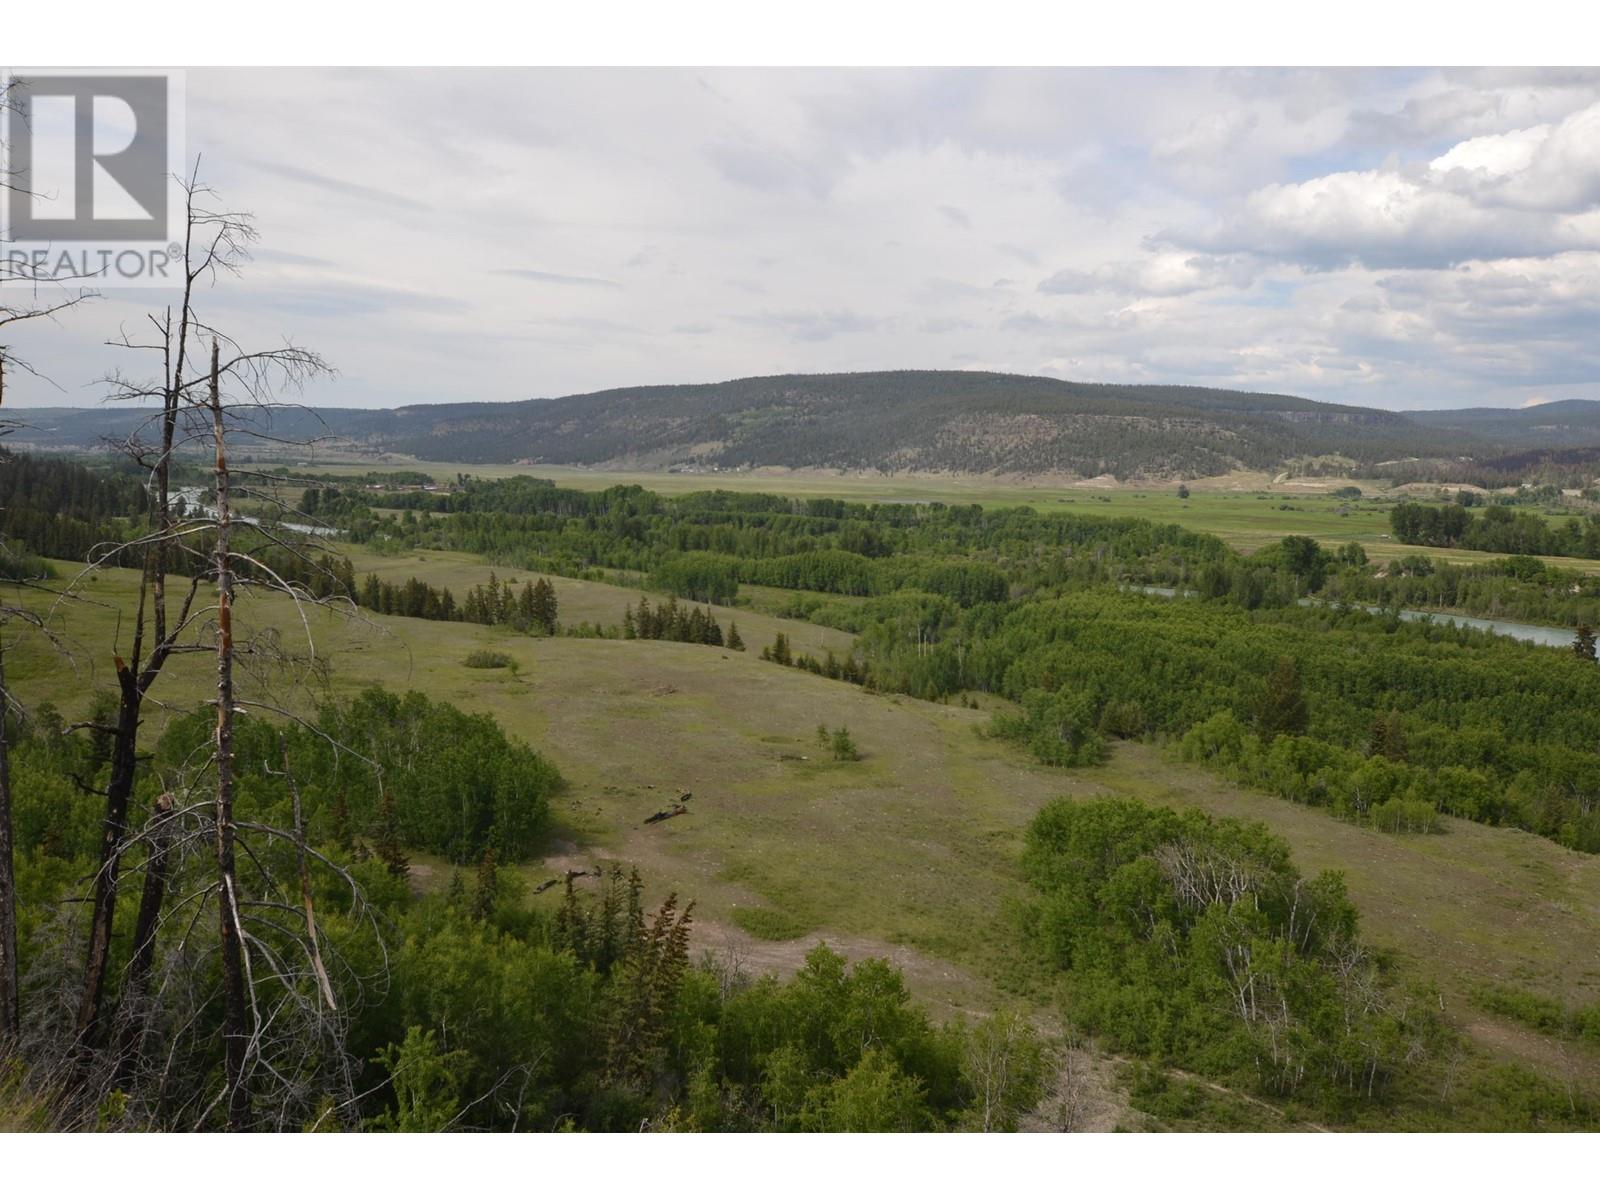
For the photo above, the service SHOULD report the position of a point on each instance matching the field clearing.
(581, 600)
(910, 852)
(1247, 509)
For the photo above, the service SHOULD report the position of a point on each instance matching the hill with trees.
(904, 421)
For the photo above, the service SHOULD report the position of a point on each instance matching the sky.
(1395, 238)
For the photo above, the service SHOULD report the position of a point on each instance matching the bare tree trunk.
(103, 907)
(10, 1005)
(157, 868)
(324, 987)
(235, 1035)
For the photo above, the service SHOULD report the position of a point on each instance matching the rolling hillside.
(902, 421)
(1560, 424)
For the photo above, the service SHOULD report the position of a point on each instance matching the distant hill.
(1561, 423)
(959, 421)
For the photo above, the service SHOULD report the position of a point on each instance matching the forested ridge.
(965, 421)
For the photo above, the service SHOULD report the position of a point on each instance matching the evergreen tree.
(1583, 645)
(1283, 707)
(779, 652)
(542, 606)
(735, 642)
(483, 900)
(388, 848)
(844, 746)
(629, 629)
(341, 821)
(1387, 736)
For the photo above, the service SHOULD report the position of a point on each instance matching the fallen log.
(570, 876)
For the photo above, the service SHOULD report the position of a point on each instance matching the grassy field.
(1246, 509)
(910, 852)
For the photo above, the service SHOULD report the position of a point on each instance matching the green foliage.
(711, 578)
(843, 746)
(1498, 529)
(408, 772)
(876, 1096)
(485, 660)
(425, 1083)
(672, 622)
(1060, 728)
(1195, 941)
(1542, 1013)
(1006, 1066)
(1583, 643)
(1493, 730)
(779, 652)
(1282, 708)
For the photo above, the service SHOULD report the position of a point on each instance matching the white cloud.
(1392, 237)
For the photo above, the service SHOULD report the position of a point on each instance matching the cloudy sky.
(1400, 238)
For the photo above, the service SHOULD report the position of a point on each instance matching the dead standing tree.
(198, 410)
(215, 244)
(280, 1023)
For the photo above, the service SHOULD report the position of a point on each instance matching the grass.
(911, 851)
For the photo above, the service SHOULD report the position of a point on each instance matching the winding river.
(1538, 635)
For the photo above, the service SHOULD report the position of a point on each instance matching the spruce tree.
(735, 642)
(780, 652)
(1283, 708)
(844, 746)
(488, 891)
(1583, 645)
(542, 606)
(341, 821)
(388, 848)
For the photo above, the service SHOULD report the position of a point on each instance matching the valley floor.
(911, 852)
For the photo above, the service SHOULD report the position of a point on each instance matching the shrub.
(844, 746)
(1123, 719)
(488, 659)
(1405, 816)
(770, 924)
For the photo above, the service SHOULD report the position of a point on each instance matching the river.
(193, 500)
(1538, 635)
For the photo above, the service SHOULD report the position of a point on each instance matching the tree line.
(1499, 529)
(532, 609)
